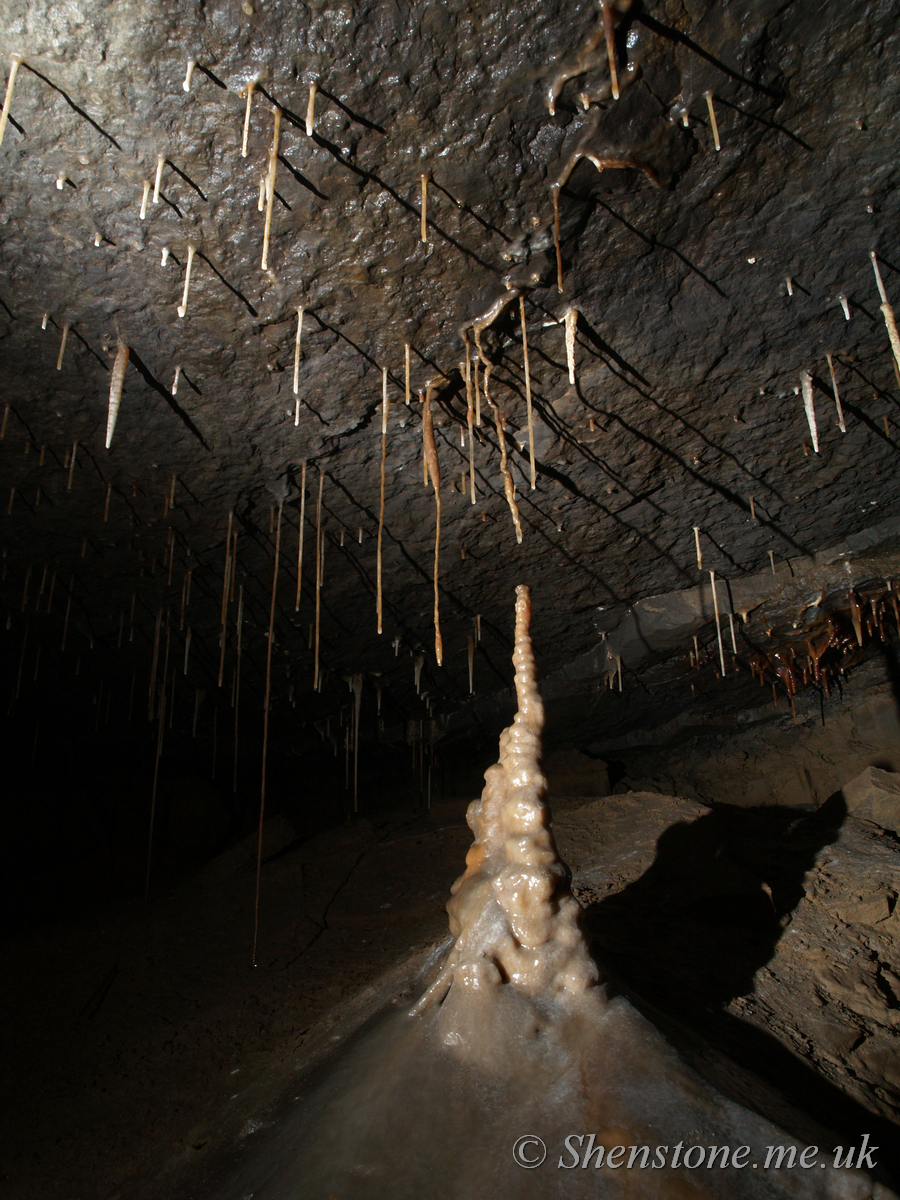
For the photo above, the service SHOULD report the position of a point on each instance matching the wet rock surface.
(688, 352)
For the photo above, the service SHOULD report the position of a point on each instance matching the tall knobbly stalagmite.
(515, 923)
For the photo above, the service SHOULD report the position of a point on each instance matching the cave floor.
(135, 1042)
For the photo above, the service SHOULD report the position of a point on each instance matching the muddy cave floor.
(762, 941)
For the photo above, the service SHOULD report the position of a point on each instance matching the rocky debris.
(875, 796)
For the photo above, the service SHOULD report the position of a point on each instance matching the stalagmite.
(713, 124)
(182, 307)
(14, 63)
(144, 198)
(160, 161)
(423, 232)
(571, 320)
(806, 384)
(300, 532)
(712, 584)
(320, 554)
(297, 338)
(434, 471)
(265, 738)
(191, 63)
(697, 547)
(384, 426)
(837, 398)
(116, 381)
(513, 918)
(251, 87)
(311, 109)
(62, 345)
(528, 408)
(270, 187)
(887, 312)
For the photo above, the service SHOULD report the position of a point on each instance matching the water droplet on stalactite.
(182, 307)
(191, 63)
(806, 384)
(117, 379)
(713, 124)
(14, 63)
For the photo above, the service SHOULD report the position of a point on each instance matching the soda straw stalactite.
(225, 581)
(423, 230)
(319, 557)
(299, 334)
(300, 532)
(237, 680)
(837, 398)
(434, 471)
(270, 187)
(571, 320)
(182, 307)
(265, 741)
(527, 391)
(14, 63)
(384, 426)
(251, 88)
(470, 418)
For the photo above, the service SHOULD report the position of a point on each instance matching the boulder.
(875, 796)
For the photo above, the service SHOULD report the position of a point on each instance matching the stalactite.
(712, 584)
(251, 87)
(609, 31)
(356, 684)
(528, 407)
(297, 363)
(164, 257)
(116, 381)
(837, 398)
(434, 470)
(62, 345)
(14, 63)
(145, 196)
(106, 505)
(806, 384)
(311, 109)
(471, 665)
(509, 487)
(554, 195)
(320, 548)
(300, 532)
(265, 737)
(713, 124)
(182, 307)
(423, 231)
(191, 63)
(237, 681)
(697, 547)
(175, 381)
(887, 311)
(384, 427)
(470, 421)
(226, 572)
(160, 161)
(571, 320)
(407, 395)
(270, 187)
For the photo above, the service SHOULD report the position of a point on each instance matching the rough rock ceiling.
(705, 283)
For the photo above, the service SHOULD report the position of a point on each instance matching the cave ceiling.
(706, 282)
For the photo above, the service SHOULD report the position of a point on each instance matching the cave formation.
(605, 295)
